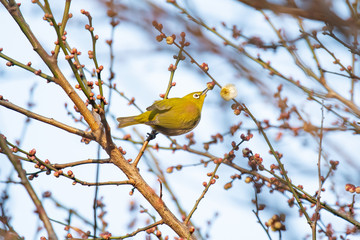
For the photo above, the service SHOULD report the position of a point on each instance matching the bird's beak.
(204, 92)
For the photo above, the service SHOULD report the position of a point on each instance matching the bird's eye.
(196, 95)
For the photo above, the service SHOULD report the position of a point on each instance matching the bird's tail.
(127, 121)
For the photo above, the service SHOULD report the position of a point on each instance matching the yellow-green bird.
(172, 116)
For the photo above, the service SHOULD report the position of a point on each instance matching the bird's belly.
(173, 130)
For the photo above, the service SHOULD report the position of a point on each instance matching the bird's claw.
(151, 135)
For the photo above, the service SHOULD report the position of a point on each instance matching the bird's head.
(197, 97)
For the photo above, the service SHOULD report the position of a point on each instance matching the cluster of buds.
(105, 235)
(214, 140)
(151, 230)
(278, 154)
(156, 147)
(31, 154)
(47, 16)
(276, 223)
(209, 174)
(218, 160)
(235, 146)
(37, 72)
(122, 151)
(246, 137)
(78, 66)
(210, 85)
(237, 108)
(89, 83)
(13, 149)
(85, 140)
(234, 128)
(131, 101)
(98, 70)
(157, 26)
(191, 139)
(86, 13)
(171, 68)
(183, 42)
(255, 162)
(212, 181)
(229, 156)
(127, 137)
(91, 96)
(91, 54)
(258, 42)
(334, 164)
(352, 189)
(204, 67)
(160, 37)
(69, 236)
(71, 174)
(274, 167)
(41, 166)
(58, 173)
(171, 169)
(155, 231)
(259, 207)
(72, 54)
(229, 184)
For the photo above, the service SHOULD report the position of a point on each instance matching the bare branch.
(50, 121)
(25, 182)
(77, 163)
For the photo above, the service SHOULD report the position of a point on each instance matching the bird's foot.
(152, 135)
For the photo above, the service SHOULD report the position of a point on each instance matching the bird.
(171, 116)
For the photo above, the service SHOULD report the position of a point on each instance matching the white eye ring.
(196, 95)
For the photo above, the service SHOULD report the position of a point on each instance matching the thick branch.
(149, 194)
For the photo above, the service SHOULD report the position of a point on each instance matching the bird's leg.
(150, 137)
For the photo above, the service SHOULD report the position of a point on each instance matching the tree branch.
(50, 121)
(51, 63)
(25, 182)
(317, 10)
(73, 164)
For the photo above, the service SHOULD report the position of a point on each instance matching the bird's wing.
(161, 105)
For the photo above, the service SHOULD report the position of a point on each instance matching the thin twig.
(49, 121)
(257, 215)
(202, 194)
(150, 137)
(142, 229)
(178, 59)
(318, 195)
(281, 166)
(27, 67)
(77, 163)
